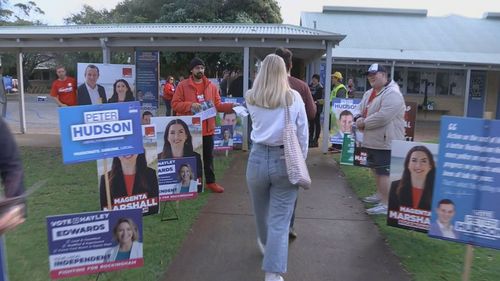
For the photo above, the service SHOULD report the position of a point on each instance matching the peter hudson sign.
(93, 132)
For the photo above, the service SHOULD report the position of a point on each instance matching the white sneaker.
(374, 198)
(273, 277)
(379, 209)
(262, 248)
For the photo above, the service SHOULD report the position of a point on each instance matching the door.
(477, 93)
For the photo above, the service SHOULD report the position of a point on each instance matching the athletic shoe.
(292, 234)
(372, 199)
(379, 209)
(273, 277)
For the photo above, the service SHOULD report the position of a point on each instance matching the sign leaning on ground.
(413, 170)
(92, 132)
(466, 195)
(88, 243)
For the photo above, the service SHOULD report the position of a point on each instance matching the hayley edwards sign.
(87, 243)
(100, 131)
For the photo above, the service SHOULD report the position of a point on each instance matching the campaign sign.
(234, 120)
(208, 110)
(132, 183)
(3, 261)
(466, 197)
(147, 65)
(108, 74)
(342, 118)
(223, 138)
(88, 243)
(413, 170)
(178, 137)
(347, 155)
(100, 131)
(177, 178)
(360, 153)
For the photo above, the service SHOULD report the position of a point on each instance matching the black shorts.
(379, 160)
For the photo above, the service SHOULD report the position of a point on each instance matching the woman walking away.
(272, 194)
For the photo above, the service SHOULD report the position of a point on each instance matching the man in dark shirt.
(303, 89)
(297, 84)
(318, 93)
(236, 86)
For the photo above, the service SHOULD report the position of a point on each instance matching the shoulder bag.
(295, 163)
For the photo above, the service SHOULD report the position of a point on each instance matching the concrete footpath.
(337, 240)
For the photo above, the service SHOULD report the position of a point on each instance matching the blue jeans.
(273, 197)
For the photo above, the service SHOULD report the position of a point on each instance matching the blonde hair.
(271, 88)
(131, 223)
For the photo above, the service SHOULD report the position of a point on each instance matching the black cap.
(195, 62)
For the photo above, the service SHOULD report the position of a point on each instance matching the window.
(442, 82)
(457, 83)
(399, 77)
(413, 82)
(357, 73)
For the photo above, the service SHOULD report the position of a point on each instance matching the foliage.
(89, 16)
(186, 11)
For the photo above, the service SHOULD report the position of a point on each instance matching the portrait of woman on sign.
(131, 181)
(126, 234)
(178, 143)
(410, 197)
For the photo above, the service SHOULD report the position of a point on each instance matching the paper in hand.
(241, 110)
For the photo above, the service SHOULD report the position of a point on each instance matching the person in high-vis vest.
(340, 91)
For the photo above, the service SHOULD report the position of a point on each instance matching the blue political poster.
(234, 120)
(465, 205)
(177, 178)
(147, 64)
(4, 276)
(88, 243)
(223, 138)
(92, 132)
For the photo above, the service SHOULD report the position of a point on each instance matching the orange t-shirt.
(65, 90)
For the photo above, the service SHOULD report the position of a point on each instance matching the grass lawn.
(73, 189)
(427, 259)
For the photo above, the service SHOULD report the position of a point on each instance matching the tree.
(20, 14)
(186, 11)
(89, 16)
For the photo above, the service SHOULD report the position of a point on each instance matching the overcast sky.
(56, 10)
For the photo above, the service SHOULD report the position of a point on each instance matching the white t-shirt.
(94, 94)
(268, 124)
